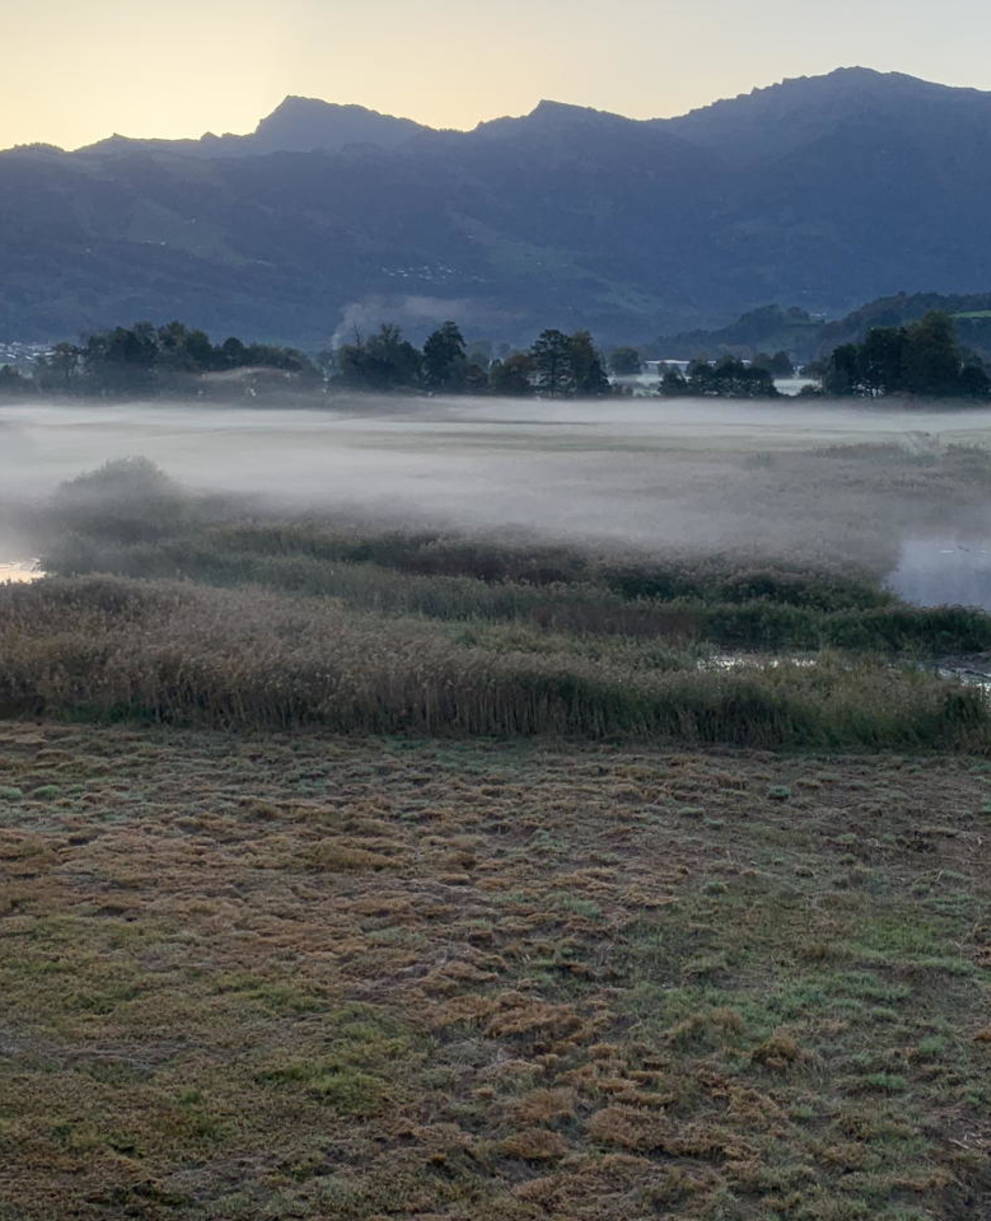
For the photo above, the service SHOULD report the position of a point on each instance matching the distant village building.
(659, 367)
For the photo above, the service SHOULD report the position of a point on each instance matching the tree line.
(144, 359)
(728, 378)
(556, 365)
(922, 359)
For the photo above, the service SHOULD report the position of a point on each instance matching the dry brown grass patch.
(336, 855)
(544, 1106)
(534, 1145)
(263, 1038)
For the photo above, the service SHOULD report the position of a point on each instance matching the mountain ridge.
(295, 105)
(818, 192)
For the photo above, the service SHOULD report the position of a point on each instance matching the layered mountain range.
(818, 193)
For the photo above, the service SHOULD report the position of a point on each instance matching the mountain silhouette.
(819, 193)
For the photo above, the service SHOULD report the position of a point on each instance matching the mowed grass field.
(298, 976)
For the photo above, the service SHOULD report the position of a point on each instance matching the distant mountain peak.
(296, 125)
(547, 111)
(839, 81)
(549, 118)
(295, 106)
(548, 108)
(773, 120)
(300, 124)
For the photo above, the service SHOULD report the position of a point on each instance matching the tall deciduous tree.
(386, 361)
(932, 362)
(882, 360)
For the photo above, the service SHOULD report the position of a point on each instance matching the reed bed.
(117, 648)
(192, 611)
(709, 602)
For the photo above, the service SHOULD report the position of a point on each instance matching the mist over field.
(813, 482)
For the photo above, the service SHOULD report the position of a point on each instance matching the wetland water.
(938, 571)
(19, 571)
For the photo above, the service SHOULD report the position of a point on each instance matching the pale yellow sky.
(77, 70)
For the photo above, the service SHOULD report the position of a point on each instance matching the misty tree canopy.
(557, 365)
(567, 365)
(625, 362)
(385, 361)
(143, 359)
(727, 378)
(922, 358)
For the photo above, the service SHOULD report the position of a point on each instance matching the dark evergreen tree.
(121, 361)
(232, 353)
(779, 364)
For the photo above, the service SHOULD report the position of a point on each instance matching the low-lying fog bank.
(817, 480)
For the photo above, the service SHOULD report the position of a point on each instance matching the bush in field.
(127, 500)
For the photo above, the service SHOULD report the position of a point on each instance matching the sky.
(78, 70)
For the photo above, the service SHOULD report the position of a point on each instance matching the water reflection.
(20, 571)
(944, 571)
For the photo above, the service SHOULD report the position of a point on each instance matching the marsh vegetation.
(390, 826)
(222, 610)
